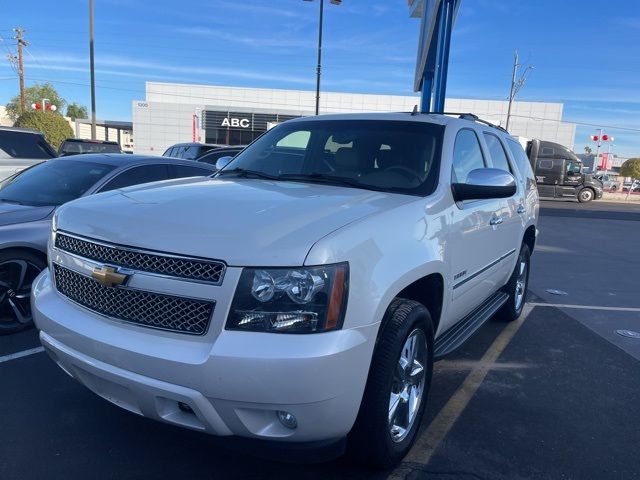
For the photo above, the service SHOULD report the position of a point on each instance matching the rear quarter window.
(522, 163)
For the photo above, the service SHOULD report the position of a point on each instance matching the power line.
(541, 119)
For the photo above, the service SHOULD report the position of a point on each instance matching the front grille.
(173, 266)
(154, 310)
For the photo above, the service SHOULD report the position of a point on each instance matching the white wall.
(165, 117)
(157, 126)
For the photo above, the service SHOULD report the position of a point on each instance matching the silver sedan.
(29, 199)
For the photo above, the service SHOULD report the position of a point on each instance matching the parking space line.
(24, 353)
(438, 429)
(586, 307)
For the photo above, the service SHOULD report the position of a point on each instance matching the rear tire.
(586, 195)
(517, 287)
(399, 377)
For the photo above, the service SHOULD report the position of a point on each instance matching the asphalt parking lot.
(553, 395)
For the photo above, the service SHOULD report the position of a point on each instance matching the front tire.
(586, 195)
(18, 269)
(397, 388)
(517, 287)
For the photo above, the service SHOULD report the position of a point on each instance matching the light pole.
(319, 68)
(44, 105)
(601, 137)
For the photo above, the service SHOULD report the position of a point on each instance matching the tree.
(587, 148)
(35, 94)
(75, 110)
(54, 126)
(631, 168)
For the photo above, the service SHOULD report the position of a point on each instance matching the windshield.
(15, 144)
(74, 148)
(52, 183)
(394, 156)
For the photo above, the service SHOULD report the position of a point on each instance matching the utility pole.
(21, 43)
(516, 84)
(93, 76)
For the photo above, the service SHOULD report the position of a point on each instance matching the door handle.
(496, 221)
(521, 209)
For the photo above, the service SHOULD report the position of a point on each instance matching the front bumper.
(224, 383)
(599, 193)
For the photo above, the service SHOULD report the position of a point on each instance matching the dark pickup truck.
(559, 174)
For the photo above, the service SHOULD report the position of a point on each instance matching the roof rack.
(469, 116)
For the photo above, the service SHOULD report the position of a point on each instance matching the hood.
(11, 213)
(590, 177)
(240, 221)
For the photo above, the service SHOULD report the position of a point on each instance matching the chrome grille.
(173, 266)
(149, 309)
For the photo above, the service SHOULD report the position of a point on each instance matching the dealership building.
(174, 113)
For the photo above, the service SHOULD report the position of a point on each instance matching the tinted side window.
(497, 155)
(180, 171)
(545, 164)
(24, 145)
(190, 153)
(467, 155)
(137, 175)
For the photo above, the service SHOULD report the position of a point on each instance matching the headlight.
(290, 300)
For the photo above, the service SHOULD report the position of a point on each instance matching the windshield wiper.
(15, 202)
(324, 178)
(244, 173)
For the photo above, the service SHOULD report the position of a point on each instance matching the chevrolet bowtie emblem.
(108, 276)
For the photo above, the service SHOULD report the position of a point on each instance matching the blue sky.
(585, 52)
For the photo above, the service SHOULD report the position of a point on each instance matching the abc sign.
(236, 122)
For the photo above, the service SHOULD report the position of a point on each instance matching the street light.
(44, 105)
(334, 2)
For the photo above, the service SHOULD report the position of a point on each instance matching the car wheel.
(585, 195)
(18, 270)
(614, 188)
(517, 287)
(397, 387)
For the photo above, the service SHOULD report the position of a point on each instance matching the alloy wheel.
(16, 277)
(521, 283)
(408, 385)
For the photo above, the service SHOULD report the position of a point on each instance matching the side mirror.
(484, 183)
(223, 162)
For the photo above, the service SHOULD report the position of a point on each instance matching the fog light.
(287, 419)
(185, 408)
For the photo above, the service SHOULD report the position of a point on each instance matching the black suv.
(190, 150)
(77, 146)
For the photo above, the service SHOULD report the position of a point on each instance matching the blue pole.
(427, 91)
(445, 27)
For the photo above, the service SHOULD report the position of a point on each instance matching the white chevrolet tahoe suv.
(303, 293)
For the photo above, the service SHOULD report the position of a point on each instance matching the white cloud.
(65, 61)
